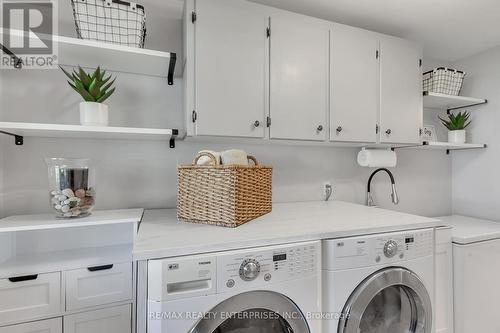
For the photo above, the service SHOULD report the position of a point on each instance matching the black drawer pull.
(100, 268)
(23, 278)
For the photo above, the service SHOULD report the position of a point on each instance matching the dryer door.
(393, 300)
(254, 311)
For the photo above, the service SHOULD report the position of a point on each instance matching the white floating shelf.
(48, 221)
(451, 146)
(449, 102)
(113, 57)
(444, 146)
(86, 132)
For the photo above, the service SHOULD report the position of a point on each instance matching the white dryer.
(379, 283)
(273, 289)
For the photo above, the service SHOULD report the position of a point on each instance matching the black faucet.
(394, 194)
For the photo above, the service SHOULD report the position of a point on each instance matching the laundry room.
(248, 166)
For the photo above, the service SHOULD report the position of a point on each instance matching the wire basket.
(110, 21)
(443, 80)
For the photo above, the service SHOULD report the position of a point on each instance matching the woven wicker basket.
(223, 195)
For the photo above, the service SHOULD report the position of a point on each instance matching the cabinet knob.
(388, 132)
(320, 128)
(339, 129)
(256, 123)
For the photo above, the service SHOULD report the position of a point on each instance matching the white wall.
(2, 209)
(476, 179)
(143, 174)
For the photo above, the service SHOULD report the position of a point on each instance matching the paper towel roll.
(377, 158)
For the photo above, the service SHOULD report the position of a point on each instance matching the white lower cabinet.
(443, 303)
(98, 285)
(42, 326)
(110, 320)
(31, 296)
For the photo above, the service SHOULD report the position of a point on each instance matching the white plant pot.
(93, 114)
(456, 136)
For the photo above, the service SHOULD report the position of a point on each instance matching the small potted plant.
(456, 125)
(95, 88)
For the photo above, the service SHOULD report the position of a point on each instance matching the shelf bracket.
(18, 139)
(448, 111)
(171, 68)
(18, 63)
(175, 133)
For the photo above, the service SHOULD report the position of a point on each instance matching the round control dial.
(390, 249)
(249, 269)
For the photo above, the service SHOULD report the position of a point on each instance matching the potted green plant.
(456, 124)
(94, 88)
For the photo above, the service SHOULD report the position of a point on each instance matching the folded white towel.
(207, 160)
(234, 157)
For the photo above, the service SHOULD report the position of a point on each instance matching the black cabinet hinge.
(268, 32)
(193, 16)
(420, 131)
(194, 116)
(268, 121)
(377, 54)
(419, 62)
(377, 128)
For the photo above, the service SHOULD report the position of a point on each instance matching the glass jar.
(71, 186)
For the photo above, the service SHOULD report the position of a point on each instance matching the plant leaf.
(84, 77)
(106, 87)
(71, 77)
(105, 96)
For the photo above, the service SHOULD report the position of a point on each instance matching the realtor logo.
(27, 34)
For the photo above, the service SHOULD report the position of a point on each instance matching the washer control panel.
(254, 267)
(370, 250)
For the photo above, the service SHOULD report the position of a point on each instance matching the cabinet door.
(354, 84)
(444, 282)
(42, 326)
(26, 297)
(401, 91)
(109, 320)
(299, 77)
(230, 68)
(98, 285)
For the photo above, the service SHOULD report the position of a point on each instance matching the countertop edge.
(184, 251)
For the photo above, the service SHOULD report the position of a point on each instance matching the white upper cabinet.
(303, 79)
(354, 84)
(400, 91)
(231, 60)
(298, 77)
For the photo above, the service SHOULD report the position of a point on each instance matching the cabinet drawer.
(110, 320)
(98, 285)
(42, 326)
(27, 297)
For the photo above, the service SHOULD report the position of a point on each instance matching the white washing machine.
(273, 289)
(379, 283)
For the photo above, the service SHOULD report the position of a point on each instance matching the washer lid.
(467, 230)
(253, 311)
(392, 300)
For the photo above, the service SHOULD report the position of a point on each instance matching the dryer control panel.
(381, 249)
(256, 267)
(205, 274)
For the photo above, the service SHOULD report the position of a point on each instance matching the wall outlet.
(327, 191)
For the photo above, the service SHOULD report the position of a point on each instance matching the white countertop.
(162, 235)
(49, 221)
(468, 230)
